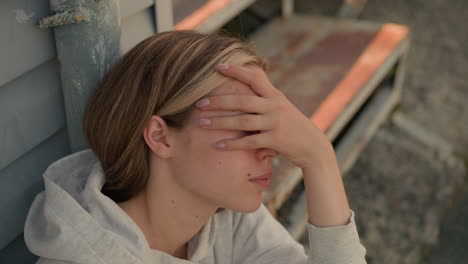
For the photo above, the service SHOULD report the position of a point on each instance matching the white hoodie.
(71, 221)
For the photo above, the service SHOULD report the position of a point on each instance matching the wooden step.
(207, 15)
(364, 125)
(327, 68)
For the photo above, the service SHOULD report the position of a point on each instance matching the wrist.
(322, 157)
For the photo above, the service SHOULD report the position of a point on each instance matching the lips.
(263, 180)
(265, 176)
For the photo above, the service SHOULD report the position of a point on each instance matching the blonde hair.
(164, 75)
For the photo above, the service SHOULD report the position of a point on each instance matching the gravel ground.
(400, 190)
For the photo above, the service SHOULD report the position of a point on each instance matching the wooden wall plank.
(136, 28)
(213, 15)
(383, 46)
(22, 180)
(131, 7)
(31, 110)
(24, 45)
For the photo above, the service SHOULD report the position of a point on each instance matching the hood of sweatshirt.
(72, 220)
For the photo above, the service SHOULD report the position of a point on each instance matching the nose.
(266, 153)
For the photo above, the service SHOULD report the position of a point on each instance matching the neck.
(168, 215)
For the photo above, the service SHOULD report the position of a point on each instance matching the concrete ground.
(409, 186)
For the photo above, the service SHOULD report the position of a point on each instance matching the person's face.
(220, 176)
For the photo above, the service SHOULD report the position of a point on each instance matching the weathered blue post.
(87, 34)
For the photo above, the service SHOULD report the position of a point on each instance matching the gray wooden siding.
(31, 110)
(137, 27)
(19, 184)
(128, 8)
(33, 132)
(23, 46)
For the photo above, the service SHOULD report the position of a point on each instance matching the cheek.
(213, 161)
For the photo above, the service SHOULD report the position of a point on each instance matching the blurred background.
(386, 81)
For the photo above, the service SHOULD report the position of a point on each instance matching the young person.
(156, 187)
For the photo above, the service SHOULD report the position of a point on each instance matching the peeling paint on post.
(86, 51)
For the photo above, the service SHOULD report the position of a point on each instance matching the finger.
(247, 142)
(242, 103)
(254, 76)
(243, 122)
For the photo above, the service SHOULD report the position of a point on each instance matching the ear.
(156, 135)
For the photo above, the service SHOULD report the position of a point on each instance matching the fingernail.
(220, 145)
(222, 66)
(204, 122)
(203, 102)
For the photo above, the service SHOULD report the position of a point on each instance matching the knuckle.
(265, 105)
(230, 122)
(278, 137)
(241, 100)
(282, 106)
(214, 122)
(244, 121)
(257, 74)
(256, 120)
(252, 142)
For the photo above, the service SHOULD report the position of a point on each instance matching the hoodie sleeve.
(259, 238)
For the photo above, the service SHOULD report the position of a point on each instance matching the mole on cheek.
(248, 174)
(219, 162)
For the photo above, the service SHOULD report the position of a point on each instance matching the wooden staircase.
(345, 74)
